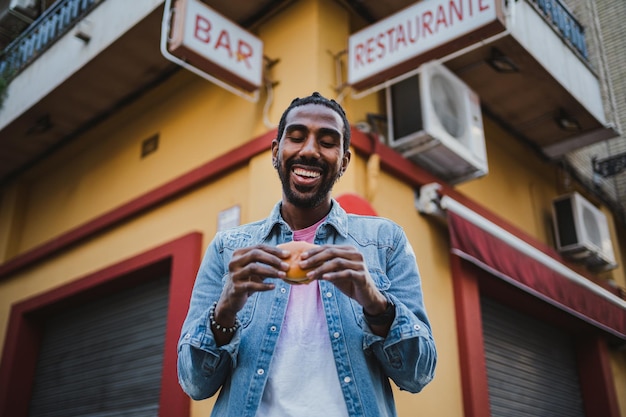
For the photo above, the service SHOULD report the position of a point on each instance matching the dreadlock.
(317, 98)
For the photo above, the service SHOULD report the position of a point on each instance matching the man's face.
(310, 157)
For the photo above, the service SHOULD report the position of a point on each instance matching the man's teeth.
(306, 173)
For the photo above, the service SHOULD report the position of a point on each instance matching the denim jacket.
(365, 362)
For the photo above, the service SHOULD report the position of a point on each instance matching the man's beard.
(309, 201)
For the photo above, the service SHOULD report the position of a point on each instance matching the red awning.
(534, 271)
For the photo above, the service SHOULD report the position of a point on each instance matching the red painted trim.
(364, 144)
(470, 337)
(17, 368)
(194, 178)
(184, 267)
(596, 378)
(391, 161)
(593, 359)
(179, 258)
(405, 170)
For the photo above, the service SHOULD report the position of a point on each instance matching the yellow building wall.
(304, 38)
(443, 396)
(197, 122)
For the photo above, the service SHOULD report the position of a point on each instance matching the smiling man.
(327, 348)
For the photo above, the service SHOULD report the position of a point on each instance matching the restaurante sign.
(421, 32)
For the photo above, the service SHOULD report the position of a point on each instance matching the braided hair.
(317, 98)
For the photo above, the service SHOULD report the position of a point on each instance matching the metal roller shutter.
(531, 366)
(104, 358)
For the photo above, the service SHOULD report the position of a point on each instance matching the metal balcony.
(50, 26)
(74, 65)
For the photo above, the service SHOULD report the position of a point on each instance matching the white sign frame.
(424, 31)
(213, 47)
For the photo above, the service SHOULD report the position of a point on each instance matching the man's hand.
(248, 269)
(345, 267)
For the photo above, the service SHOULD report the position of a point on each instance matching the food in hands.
(295, 274)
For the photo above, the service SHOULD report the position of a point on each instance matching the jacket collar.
(337, 218)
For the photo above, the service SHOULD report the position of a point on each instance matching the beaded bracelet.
(218, 326)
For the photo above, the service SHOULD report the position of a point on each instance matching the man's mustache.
(308, 162)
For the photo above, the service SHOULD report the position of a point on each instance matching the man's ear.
(345, 161)
(275, 153)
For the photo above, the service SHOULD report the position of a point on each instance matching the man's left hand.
(344, 266)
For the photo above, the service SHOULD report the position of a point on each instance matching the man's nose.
(310, 147)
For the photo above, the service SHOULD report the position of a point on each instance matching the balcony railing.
(56, 21)
(560, 18)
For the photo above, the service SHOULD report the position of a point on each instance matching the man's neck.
(300, 218)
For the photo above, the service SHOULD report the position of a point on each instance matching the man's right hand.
(248, 269)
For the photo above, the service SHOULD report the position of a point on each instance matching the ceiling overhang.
(123, 70)
(544, 92)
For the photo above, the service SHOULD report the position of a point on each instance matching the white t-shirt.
(302, 379)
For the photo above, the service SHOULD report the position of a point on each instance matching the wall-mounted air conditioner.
(435, 121)
(582, 232)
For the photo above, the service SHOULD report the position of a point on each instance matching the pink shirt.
(303, 378)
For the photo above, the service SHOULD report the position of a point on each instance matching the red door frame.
(179, 259)
(592, 348)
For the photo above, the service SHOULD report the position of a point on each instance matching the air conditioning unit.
(582, 232)
(435, 121)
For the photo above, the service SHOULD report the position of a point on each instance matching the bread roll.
(295, 274)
